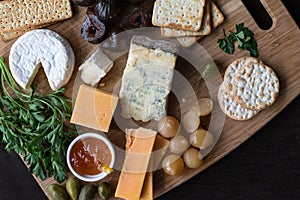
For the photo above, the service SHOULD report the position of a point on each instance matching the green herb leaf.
(239, 27)
(241, 35)
(245, 38)
(33, 126)
(226, 43)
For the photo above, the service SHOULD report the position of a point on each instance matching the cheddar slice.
(159, 149)
(147, 191)
(139, 145)
(94, 108)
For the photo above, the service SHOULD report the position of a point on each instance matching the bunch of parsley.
(34, 126)
(245, 38)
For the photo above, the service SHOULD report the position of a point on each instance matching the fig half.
(93, 30)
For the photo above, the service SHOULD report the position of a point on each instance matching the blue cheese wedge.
(147, 79)
(41, 48)
(95, 68)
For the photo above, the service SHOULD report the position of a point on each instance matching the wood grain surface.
(278, 48)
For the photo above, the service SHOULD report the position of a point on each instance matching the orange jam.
(88, 156)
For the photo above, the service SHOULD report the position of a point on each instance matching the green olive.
(104, 190)
(73, 188)
(88, 192)
(57, 192)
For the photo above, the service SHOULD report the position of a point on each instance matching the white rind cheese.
(146, 83)
(41, 48)
(95, 67)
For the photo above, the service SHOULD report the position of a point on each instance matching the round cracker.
(231, 107)
(255, 86)
(235, 66)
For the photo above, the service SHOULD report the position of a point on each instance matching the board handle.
(259, 13)
(274, 11)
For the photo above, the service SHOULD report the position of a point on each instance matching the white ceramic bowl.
(91, 178)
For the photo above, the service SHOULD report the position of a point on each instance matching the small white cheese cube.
(95, 68)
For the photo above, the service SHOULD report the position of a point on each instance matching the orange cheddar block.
(94, 108)
(139, 148)
(147, 191)
(160, 148)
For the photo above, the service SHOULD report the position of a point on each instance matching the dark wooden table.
(267, 166)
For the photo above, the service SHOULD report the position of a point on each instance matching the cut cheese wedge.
(41, 48)
(95, 67)
(139, 144)
(94, 108)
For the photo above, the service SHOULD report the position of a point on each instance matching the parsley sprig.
(34, 126)
(245, 38)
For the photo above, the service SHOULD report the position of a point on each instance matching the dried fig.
(107, 9)
(137, 18)
(93, 30)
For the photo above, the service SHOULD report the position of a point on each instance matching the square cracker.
(216, 15)
(16, 33)
(217, 18)
(188, 41)
(21, 14)
(204, 30)
(179, 14)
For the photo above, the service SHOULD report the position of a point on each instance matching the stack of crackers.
(249, 86)
(20, 16)
(187, 20)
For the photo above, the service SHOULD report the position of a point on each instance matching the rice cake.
(147, 78)
(231, 107)
(178, 14)
(235, 66)
(255, 86)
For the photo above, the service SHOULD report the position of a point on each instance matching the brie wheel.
(41, 48)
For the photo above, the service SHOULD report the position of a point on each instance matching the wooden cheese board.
(278, 47)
